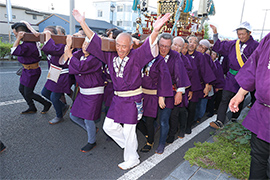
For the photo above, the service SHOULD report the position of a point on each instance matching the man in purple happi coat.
(255, 74)
(180, 82)
(29, 55)
(58, 80)
(203, 46)
(125, 69)
(157, 85)
(206, 77)
(88, 103)
(179, 113)
(238, 51)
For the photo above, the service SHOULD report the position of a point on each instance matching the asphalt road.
(38, 150)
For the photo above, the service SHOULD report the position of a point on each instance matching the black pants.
(253, 98)
(260, 158)
(146, 126)
(29, 96)
(191, 113)
(179, 114)
(222, 109)
(218, 99)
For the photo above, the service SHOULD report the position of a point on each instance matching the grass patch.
(230, 151)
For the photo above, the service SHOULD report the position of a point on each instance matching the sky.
(226, 19)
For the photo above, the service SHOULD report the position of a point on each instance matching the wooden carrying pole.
(106, 45)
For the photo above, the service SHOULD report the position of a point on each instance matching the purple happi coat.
(227, 48)
(54, 52)
(206, 74)
(178, 73)
(108, 91)
(126, 78)
(28, 53)
(220, 81)
(255, 74)
(88, 74)
(156, 76)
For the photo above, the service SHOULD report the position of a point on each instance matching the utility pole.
(264, 20)
(71, 18)
(242, 11)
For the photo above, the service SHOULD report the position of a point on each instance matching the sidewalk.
(184, 171)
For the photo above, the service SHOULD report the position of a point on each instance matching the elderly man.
(238, 51)
(125, 68)
(203, 46)
(206, 77)
(179, 113)
(255, 75)
(180, 82)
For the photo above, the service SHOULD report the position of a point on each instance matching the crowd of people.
(168, 83)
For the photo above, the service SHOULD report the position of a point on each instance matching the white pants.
(125, 137)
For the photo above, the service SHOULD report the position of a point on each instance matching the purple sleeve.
(205, 70)
(53, 49)
(94, 48)
(144, 53)
(164, 80)
(180, 73)
(90, 65)
(223, 47)
(21, 50)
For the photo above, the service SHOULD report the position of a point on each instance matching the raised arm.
(215, 33)
(81, 19)
(30, 28)
(158, 25)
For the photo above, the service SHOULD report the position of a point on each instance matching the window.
(99, 13)
(128, 8)
(34, 16)
(13, 16)
(134, 24)
(120, 8)
(126, 23)
(119, 23)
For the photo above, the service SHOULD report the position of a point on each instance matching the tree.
(206, 31)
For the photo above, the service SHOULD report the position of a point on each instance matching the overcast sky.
(227, 18)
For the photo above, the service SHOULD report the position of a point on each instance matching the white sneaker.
(128, 164)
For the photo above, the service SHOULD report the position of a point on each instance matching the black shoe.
(147, 147)
(88, 147)
(29, 111)
(181, 135)
(234, 120)
(2, 147)
(188, 131)
(46, 108)
(170, 139)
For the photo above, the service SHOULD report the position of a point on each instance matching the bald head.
(124, 44)
(178, 43)
(125, 36)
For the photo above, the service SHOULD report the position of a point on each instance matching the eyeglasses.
(165, 47)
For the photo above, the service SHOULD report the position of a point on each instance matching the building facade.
(119, 13)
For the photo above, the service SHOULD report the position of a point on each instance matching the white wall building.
(122, 15)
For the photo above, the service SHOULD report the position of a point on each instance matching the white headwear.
(244, 25)
(205, 42)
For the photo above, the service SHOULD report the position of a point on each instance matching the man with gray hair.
(206, 77)
(179, 113)
(180, 82)
(238, 52)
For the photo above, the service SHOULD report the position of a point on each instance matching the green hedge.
(4, 49)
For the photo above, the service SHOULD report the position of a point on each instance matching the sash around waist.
(31, 66)
(149, 91)
(129, 93)
(92, 91)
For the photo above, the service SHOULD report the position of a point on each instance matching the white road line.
(11, 102)
(152, 161)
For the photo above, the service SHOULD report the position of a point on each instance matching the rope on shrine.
(176, 17)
